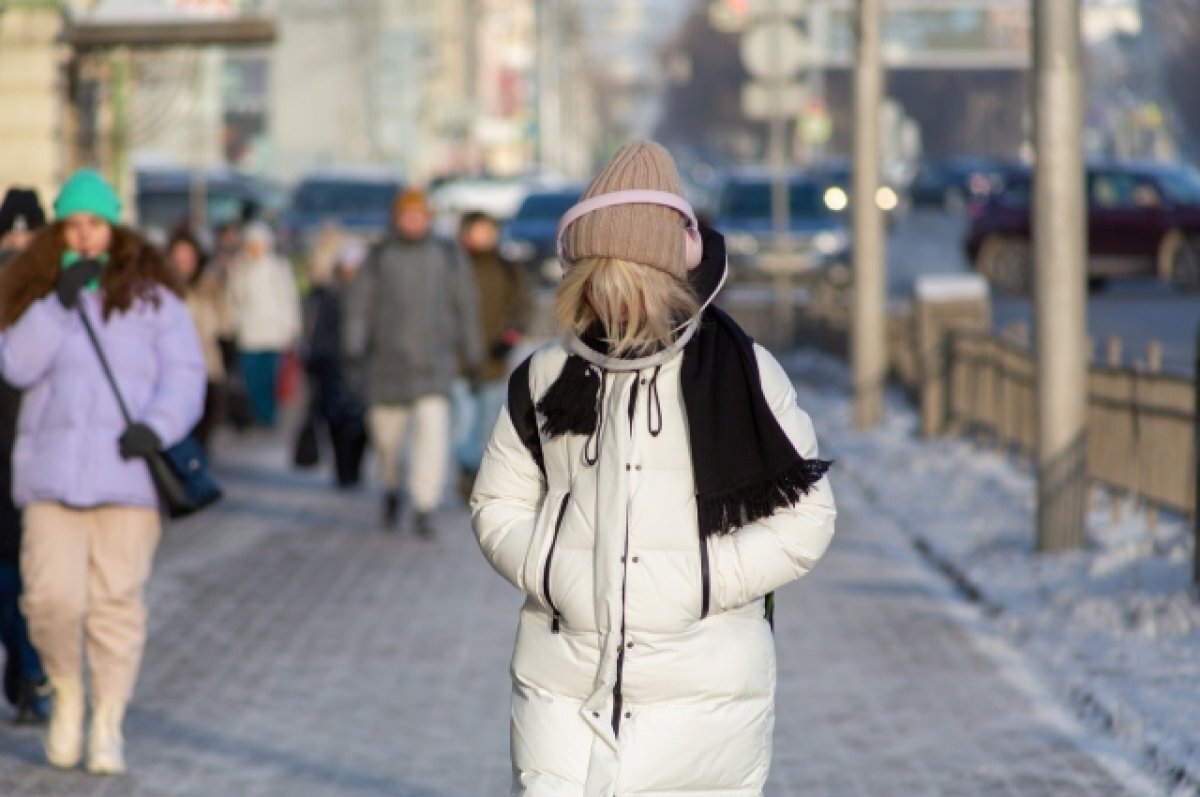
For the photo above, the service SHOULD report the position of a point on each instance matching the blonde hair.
(638, 306)
(326, 254)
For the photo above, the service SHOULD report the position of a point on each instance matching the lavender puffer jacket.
(66, 448)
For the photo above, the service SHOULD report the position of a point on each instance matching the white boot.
(106, 745)
(64, 740)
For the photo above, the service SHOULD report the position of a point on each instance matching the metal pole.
(1196, 469)
(868, 333)
(1059, 278)
(780, 201)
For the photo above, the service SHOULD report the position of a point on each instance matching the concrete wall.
(31, 118)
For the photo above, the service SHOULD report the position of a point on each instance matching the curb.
(1087, 706)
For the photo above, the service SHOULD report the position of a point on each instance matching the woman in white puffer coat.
(651, 482)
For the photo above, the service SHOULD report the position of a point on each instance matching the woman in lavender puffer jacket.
(91, 512)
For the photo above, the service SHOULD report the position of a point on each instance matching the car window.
(344, 196)
(168, 208)
(752, 200)
(1121, 190)
(1015, 194)
(1145, 194)
(1181, 186)
(545, 207)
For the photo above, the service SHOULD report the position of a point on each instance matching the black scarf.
(745, 467)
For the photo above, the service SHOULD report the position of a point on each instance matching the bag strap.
(523, 413)
(112, 380)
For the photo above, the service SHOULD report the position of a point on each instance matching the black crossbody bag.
(180, 473)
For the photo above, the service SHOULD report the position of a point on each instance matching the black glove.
(139, 440)
(500, 349)
(72, 281)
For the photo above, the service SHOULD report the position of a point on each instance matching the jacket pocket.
(705, 578)
(558, 521)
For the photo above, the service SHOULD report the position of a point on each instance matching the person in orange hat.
(412, 316)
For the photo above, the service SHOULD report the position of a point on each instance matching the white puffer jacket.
(614, 550)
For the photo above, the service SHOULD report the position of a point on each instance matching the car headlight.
(830, 242)
(518, 251)
(741, 243)
(836, 199)
(886, 199)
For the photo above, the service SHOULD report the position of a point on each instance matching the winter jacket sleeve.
(466, 306)
(178, 398)
(761, 557)
(504, 504)
(28, 347)
(357, 304)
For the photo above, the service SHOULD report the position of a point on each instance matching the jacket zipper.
(618, 698)
(705, 587)
(556, 622)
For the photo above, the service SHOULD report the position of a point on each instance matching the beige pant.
(430, 452)
(85, 571)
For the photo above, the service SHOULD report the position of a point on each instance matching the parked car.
(164, 196)
(529, 236)
(1142, 220)
(360, 200)
(818, 238)
(954, 183)
(499, 197)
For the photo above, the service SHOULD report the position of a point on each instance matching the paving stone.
(297, 650)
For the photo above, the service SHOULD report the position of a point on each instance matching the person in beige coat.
(209, 306)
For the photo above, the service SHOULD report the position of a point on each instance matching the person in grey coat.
(411, 318)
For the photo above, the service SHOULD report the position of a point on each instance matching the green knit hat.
(88, 192)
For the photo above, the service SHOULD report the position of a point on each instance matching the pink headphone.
(693, 248)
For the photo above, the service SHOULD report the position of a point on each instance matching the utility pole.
(549, 64)
(1059, 247)
(868, 331)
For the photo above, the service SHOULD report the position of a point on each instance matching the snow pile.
(1116, 625)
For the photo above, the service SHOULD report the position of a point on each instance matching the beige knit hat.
(651, 235)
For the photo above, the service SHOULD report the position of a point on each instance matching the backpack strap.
(523, 413)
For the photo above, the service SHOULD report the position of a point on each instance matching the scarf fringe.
(725, 513)
(569, 406)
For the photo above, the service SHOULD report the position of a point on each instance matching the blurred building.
(31, 89)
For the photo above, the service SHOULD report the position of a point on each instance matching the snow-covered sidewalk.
(1114, 628)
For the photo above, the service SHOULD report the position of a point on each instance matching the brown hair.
(135, 269)
(639, 306)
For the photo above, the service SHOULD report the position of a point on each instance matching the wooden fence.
(1142, 424)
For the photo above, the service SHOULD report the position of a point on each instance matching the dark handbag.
(180, 473)
(307, 451)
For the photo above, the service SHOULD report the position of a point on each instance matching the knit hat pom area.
(88, 192)
(651, 235)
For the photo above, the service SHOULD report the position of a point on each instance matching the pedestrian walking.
(25, 684)
(208, 304)
(505, 305)
(91, 512)
(266, 312)
(331, 403)
(651, 482)
(411, 317)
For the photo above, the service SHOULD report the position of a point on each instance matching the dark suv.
(529, 236)
(818, 237)
(1142, 220)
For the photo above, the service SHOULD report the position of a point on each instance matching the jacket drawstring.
(654, 416)
(591, 449)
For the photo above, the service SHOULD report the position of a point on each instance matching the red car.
(1142, 220)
